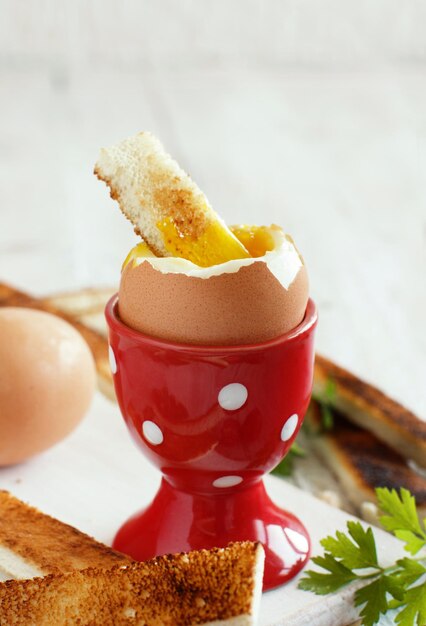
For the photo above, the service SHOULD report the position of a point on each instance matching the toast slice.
(164, 205)
(34, 544)
(361, 462)
(64, 577)
(219, 586)
(86, 306)
(82, 303)
(371, 409)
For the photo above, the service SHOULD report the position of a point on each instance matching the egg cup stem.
(214, 420)
(179, 521)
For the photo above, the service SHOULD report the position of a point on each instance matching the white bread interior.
(150, 186)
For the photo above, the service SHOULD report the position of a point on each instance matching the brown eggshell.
(243, 307)
(47, 380)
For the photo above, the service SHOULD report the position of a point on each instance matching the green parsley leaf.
(359, 555)
(330, 390)
(401, 519)
(297, 450)
(415, 609)
(401, 509)
(413, 543)
(409, 571)
(326, 400)
(322, 584)
(373, 597)
(327, 416)
(286, 466)
(349, 555)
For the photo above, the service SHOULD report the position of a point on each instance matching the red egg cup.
(214, 420)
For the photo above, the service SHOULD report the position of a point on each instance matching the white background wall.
(308, 113)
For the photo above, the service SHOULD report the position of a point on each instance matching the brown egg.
(238, 302)
(47, 380)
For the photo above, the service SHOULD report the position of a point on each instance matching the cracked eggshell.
(239, 302)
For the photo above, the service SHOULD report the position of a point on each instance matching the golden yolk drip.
(256, 239)
(140, 250)
(215, 245)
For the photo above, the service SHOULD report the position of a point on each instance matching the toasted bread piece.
(9, 296)
(34, 544)
(85, 302)
(219, 586)
(165, 206)
(361, 462)
(86, 306)
(368, 407)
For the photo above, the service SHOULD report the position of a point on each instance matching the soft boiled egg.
(238, 302)
(47, 380)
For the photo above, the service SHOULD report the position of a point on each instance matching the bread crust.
(370, 408)
(47, 544)
(201, 587)
(361, 462)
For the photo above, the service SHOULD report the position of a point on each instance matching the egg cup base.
(179, 521)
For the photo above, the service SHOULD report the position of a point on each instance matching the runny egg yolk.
(256, 239)
(140, 250)
(212, 247)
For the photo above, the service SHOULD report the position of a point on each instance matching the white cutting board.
(96, 478)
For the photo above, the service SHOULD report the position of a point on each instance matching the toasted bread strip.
(87, 307)
(371, 409)
(165, 206)
(361, 462)
(9, 296)
(34, 544)
(85, 302)
(219, 586)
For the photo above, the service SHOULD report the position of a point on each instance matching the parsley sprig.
(326, 402)
(352, 556)
(286, 466)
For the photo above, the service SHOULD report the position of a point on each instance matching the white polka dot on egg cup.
(112, 360)
(289, 427)
(224, 482)
(152, 433)
(232, 397)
